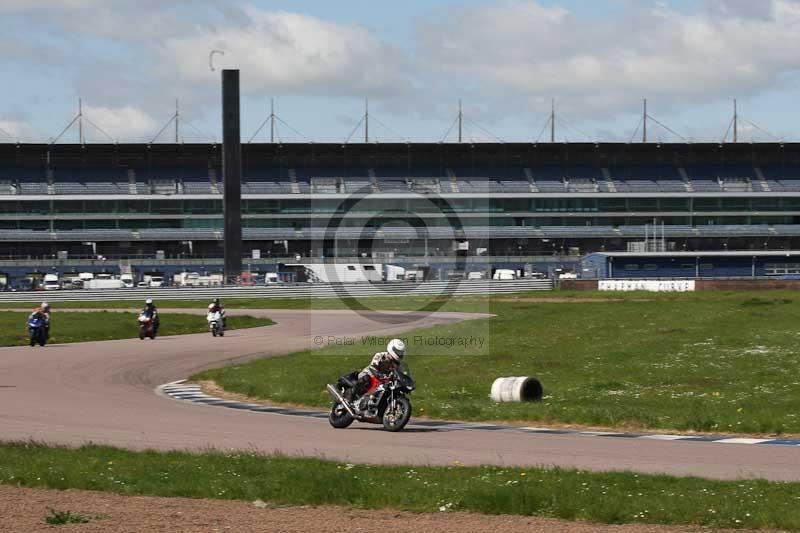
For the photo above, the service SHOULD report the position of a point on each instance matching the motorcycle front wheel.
(339, 417)
(395, 419)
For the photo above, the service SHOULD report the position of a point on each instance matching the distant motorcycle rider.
(217, 307)
(382, 364)
(151, 312)
(43, 312)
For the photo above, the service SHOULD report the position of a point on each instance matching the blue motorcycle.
(36, 331)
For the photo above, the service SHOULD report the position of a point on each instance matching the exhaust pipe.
(338, 397)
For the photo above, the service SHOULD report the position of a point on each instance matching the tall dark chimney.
(232, 175)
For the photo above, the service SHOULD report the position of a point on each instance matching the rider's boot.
(351, 396)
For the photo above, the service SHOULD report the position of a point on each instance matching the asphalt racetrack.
(104, 393)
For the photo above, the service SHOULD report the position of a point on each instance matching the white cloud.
(120, 123)
(142, 55)
(12, 129)
(521, 53)
(506, 58)
(279, 51)
(28, 6)
(143, 21)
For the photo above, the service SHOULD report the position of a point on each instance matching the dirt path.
(24, 509)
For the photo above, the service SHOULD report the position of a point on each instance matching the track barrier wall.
(308, 290)
(700, 284)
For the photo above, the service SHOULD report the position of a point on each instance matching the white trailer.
(393, 273)
(344, 273)
(104, 283)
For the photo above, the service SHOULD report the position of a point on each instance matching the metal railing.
(300, 290)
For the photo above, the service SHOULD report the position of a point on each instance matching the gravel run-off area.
(24, 509)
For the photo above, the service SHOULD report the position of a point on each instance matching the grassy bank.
(117, 300)
(100, 326)
(237, 303)
(712, 362)
(564, 494)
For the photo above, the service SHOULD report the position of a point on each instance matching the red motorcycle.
(147, 326)
(386, 401)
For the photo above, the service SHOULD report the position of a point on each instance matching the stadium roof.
(541, 153)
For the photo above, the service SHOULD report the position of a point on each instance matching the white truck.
(194, 279)
(504, 274)
(51, 282)
(103, 283)
(153, 281)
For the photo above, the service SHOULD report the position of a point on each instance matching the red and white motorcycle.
(147, 327)
(216, 324)
(385, 402)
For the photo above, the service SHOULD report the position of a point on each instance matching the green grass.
(557, 493)
(709, 362)
(236, 303)
(60, 518)
(97, 326)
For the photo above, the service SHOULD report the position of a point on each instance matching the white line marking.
(664, 437)
(742, 440)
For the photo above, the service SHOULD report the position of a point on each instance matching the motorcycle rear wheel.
(339, 417)
(397, 420)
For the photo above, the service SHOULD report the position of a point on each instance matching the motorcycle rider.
(217, 307)
(151, 311)
(382, 364)
(43, 312)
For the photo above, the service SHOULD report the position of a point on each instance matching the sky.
(318, 60)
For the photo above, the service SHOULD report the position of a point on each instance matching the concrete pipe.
(516, 389)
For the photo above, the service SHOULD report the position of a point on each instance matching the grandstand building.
(399, 200)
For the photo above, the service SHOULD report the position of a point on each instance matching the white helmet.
(210, 307)
(396, 349)
(45, 305)
(149, 301)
